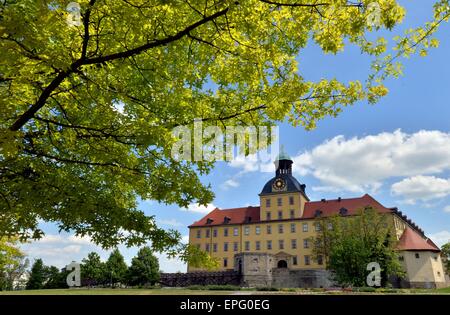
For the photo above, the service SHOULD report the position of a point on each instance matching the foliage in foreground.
(87, 111)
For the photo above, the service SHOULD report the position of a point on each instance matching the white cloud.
(230, 183)
(199, 208)
(421, 188)
(253, 163)
(171, 264)
(171, 222)
(185, 239)
(361, 164)
(440, 238)
(447, 209)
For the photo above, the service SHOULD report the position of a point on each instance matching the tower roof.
(411, 240)
(282, 155)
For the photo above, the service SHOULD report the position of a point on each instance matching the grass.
(217, 290)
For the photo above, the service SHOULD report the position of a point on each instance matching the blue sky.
(397, 150)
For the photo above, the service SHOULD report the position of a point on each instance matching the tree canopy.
(349, 244)
(144, 269)
(87, 110)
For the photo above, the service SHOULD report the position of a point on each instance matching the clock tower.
(282, 197)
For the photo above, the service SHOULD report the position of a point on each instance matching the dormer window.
(226, 220)
(343, 211)
(209, 221)
(318, 213)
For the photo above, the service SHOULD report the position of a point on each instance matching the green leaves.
(349, 244)
(86, 112)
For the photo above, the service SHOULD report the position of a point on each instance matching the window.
(225, 232)
(281, 244)
(246, 230)
(268, 215)
(269, 229)
(247, 245)
(293, 244)
(258, 245)
(305, 243)
(330, 226)
(269, 244)
(215, 233)
(235, 231)
(225, 262)
(267, 203)
(291, 200)
(280, 228)
(417, 255)
(225, 247)
(307, 260)
(235, 246)
(258, 230)
(207, 233)
(279, 201)
(320, 259)
(292, 227)
(318, 226)
(199, 233)
(215, 247)
(292, 213)
(207, 247)
(294, 260)
(305, 227)
(401, 258)
(280, 215)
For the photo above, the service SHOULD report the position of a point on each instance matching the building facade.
(271, 244)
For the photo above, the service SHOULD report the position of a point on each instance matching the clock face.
(279, 184)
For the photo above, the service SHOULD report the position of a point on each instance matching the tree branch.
(29, 114)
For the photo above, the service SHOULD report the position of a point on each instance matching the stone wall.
(200, 278)
(307, 278)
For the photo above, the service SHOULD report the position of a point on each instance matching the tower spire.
(283, 163)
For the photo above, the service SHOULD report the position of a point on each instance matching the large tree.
(445, 254)
(349, 243)
(13, 263)
(93, 270)
(116, 268)
(38, 275)
(144, 269)
(87, 109)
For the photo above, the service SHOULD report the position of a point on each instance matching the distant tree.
(55, 278)
(92, 270)
(38, 276)
(116, 268)
(349, 244)
(144, 268)
(13, 263)
(446, 257)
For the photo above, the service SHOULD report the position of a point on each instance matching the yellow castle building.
(271, 244)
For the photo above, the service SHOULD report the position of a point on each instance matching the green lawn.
(181, 291)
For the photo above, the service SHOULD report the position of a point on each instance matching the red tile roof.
(327, 208)
(235, 216)
(332, 207)
(411, 240)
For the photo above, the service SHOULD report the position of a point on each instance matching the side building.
(271, 244)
